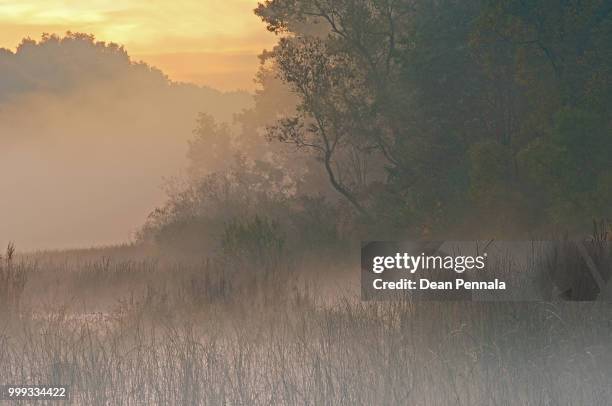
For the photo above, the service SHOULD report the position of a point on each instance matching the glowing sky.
(212, 42)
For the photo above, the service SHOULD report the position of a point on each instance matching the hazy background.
(86, 137)
(90, 132)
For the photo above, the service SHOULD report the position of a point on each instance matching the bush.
(258, 242)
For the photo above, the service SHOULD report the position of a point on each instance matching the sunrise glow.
(180, 37)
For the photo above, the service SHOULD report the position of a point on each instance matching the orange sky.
(212, 42)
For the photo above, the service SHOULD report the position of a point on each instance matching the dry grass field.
(150, 330)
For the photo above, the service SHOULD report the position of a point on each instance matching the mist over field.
(87, 136)
(174, 244)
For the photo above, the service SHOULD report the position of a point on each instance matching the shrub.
(257, 242)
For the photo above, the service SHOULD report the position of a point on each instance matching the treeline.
(425, 118)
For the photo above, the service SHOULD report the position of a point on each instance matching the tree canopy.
(430, 113)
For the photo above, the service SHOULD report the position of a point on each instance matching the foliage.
(454, 107)
(491, 172)
(425, 118)
(572, 165)
(258, 241)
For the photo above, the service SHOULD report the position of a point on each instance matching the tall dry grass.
(183, 333)
(13, 279)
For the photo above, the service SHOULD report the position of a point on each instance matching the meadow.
(124, 325)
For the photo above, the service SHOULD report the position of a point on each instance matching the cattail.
(10, 251)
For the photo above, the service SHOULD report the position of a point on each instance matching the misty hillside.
(92, 133)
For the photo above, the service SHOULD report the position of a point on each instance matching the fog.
(86, 138)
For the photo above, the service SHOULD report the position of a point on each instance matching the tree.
(422, 113)
(341, 73)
